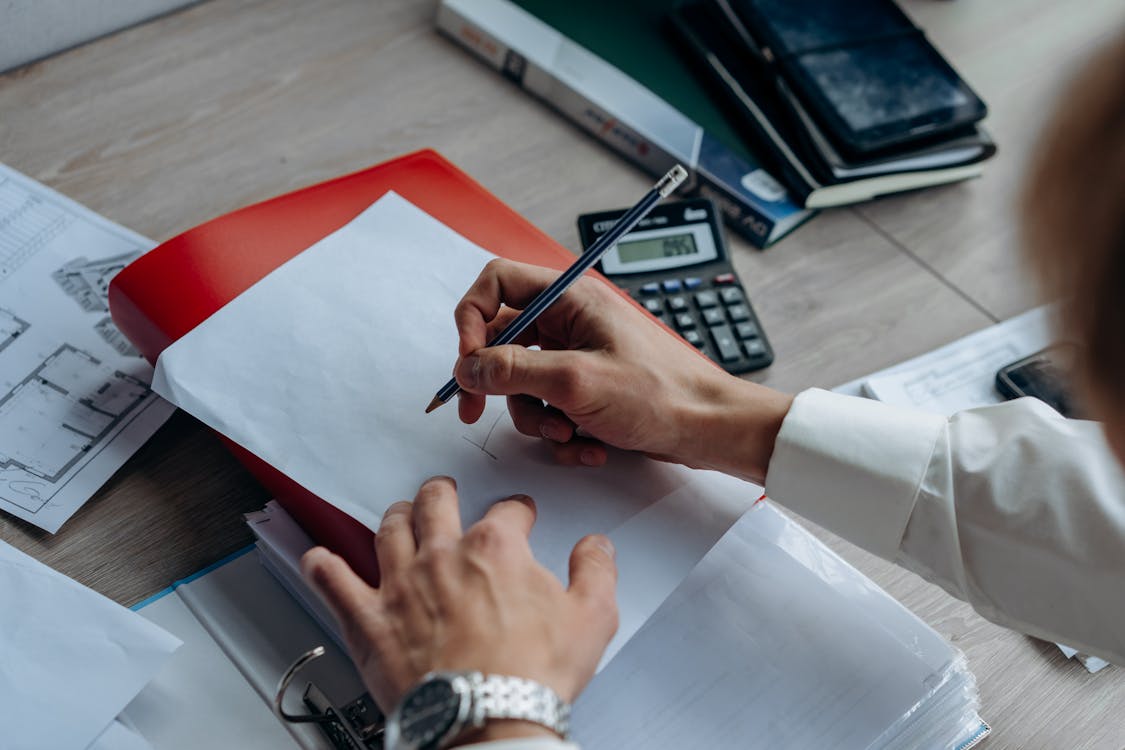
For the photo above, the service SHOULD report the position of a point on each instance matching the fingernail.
(442, 478)
(554, 431)
(606, 546)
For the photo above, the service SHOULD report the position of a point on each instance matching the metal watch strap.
(501, 697)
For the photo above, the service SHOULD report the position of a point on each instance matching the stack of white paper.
(775, 642)
(70, 660)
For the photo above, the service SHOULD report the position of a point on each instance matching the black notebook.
(730, 62)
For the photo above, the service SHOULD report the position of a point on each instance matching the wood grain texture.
(165, 125)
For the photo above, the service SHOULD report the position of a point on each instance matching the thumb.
(593, 577)
(559, 377)
(349, 597)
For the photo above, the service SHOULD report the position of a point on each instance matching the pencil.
(585, 262)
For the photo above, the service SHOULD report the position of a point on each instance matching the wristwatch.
(444, 705)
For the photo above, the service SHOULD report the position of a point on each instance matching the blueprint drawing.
(75, 402)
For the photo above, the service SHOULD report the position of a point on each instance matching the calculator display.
(659, 247)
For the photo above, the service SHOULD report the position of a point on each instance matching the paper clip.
(358, 725)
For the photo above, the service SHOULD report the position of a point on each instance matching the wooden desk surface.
(170, 123)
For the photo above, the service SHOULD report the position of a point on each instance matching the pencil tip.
(434, 404)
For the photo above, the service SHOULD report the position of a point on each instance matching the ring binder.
(358, 725)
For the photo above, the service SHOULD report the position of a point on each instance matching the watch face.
(428, 712)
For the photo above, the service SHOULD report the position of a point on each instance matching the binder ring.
(283, 686)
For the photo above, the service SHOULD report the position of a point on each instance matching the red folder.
(175, 287)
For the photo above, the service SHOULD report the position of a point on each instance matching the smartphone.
(863, 69)
(1042, 375)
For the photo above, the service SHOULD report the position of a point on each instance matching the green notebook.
(611, 67)
(630, 35)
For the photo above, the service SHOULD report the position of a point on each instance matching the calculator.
(675, 263)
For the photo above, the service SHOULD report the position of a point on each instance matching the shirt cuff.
(853, 466)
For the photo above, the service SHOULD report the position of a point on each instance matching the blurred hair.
(1074, 221)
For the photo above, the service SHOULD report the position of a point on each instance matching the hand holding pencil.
(607, 374)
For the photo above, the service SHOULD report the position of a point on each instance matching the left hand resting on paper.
(472, 600)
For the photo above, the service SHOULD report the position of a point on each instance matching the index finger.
(352, 601)
(501, 282)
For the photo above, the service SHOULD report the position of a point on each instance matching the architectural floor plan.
(74, 395)
(56, 415)
(87, 281)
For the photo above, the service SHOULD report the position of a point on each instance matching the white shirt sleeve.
(1012, 508)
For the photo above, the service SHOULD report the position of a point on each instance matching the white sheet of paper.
(324, 368)
(70, 659)
(961, 375)
(74, 396)
(775, 642)
(120, 736)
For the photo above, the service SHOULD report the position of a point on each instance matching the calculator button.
(747, 331)
(652, 288)
(706, 298)
(713, 316)
(693, 282)
(724, 278)
(754, 348)
(694, 338)
(671, 285)
(653, 306)
(738, 313)
(731, 295)
(677, 303)
(684, 320)
(725, 343)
